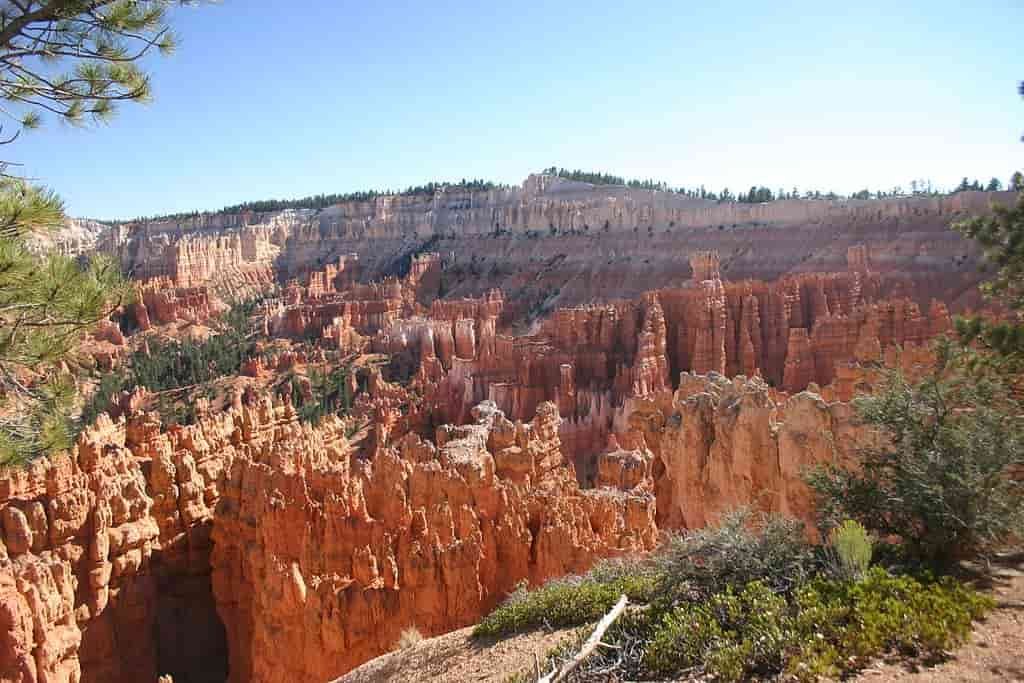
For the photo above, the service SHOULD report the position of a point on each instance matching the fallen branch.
(559, 674)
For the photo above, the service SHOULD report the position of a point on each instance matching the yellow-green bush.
(733, 635)
(851, 547)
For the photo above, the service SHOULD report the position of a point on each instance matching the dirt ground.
(456, 656)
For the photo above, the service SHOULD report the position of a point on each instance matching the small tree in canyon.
(73, 60)
(948, 475)
(945, 473)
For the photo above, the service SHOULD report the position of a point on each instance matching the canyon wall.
(321, 561)
(552, 242)
(810, 329)
(105, 560)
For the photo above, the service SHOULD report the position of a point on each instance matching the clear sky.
(273, 99)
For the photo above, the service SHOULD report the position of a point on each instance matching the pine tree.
(45, 305)
(74, 60)
(1017, 182)
(1001, 236)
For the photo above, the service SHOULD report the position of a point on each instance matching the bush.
(745, 547)
(851, 549)
(748, 600)
(939, 478)
(840, 625)
(732, 635)
(827, 628)
(570, 601)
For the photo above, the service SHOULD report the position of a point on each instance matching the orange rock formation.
(106, 554)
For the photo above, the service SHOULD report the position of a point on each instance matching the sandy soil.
(457, 657)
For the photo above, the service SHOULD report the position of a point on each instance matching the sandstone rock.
(421, 534)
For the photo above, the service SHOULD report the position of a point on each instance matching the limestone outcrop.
(584, 242)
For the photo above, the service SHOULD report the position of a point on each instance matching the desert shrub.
(840, 625)
(745, 547)
(570, 601)
(850, 549)
(408, 638)
(732, 635)
(827, 627)
(939, 477)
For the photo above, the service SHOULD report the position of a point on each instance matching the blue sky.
(284, 99)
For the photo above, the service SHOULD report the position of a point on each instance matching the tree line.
(322, 201)
(758, 194)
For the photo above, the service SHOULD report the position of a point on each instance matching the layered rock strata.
(583, 241)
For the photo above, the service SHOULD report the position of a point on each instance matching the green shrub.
(826, 628)
(732, 635)
(570, 601)
(938, 477)
(840, 625)
(851, 549)
(745, 547)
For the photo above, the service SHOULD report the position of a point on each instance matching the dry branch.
(593, 641)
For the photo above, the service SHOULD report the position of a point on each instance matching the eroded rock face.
(93, 540)
(591, 361)
(321, 560)
(728, 443)
(106, 566)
